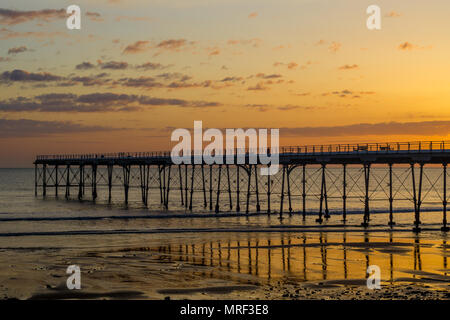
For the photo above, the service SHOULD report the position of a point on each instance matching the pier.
(240, 187)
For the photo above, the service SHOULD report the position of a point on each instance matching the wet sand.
(276, 265)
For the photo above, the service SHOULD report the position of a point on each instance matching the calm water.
(17, 201)
(48, 233)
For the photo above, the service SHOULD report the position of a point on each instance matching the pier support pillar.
(218, 189)
(205, 204)
(163, 185)
(249, 173)
(304, 191)
(144, 179)
(391, 198)
(80, 182)
(417, 196)
(323, 196)
(268, 192)
(181, 184)
(56, 181)
(229, 187)
(186, 187)
(35, 180)
(444, 199)
(283, 173)
(325, 193)
(238, 207)
(344, 193)
(94, 182)
(288, 175)
(192, 186)
(258, 207)
(44, 180)
(366, 220)
(110, 173)
(160, 184)
(210, 189)
(168, 188)
(126, 181)
(67, 182)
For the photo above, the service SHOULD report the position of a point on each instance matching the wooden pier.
(239, 183)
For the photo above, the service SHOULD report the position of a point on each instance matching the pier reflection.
(323, 256)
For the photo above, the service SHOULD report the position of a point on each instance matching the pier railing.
(388, 147)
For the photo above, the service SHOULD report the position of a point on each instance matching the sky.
(137, 70)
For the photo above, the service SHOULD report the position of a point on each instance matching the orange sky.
(138, 69)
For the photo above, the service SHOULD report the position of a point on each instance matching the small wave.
(182, 215)
(293, 229)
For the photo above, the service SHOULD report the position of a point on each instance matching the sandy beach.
(255, 266)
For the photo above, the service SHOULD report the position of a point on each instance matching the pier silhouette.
(239, 187)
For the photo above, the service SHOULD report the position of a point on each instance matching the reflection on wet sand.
(314, 257)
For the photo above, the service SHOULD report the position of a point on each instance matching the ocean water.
(19, 204)
(40, 236)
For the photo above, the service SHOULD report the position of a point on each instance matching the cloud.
(348, 93)
(151, 66)
(232, 79)
(253, 15)
(268, 76)
(204, 84)
(16, 50)
(335, 47)
(349, 67)
(168, 80)
(33, 128)
(9, 34)
(114, 65)
(85, 66)
(137, 47)
(21, 75)
(141, 82)
(265, 107)
(12, 17)
(407, 46)
(302, 94)
(97, 80)
(215, 52)
(172, 44)
(259, 107)
(168, 76)
(291, 65)
(255, 42)
(294, 107)
(120, 65)
(94, 16)
(392, 14)
(424, 128)
(94, 102)
(132, 18)
(258, 87)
